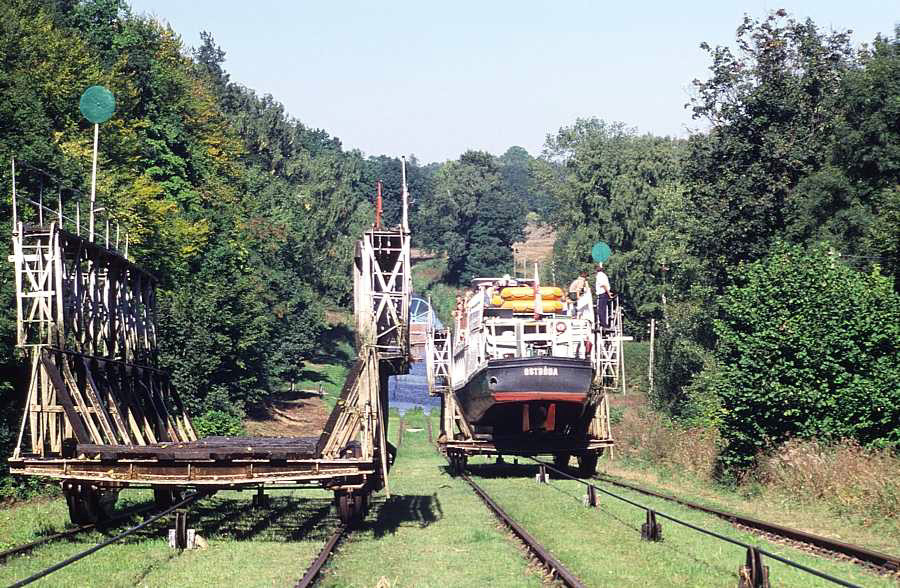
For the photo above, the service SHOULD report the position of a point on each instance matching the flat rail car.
(101, 415)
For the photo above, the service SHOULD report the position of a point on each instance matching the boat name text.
(541, 371)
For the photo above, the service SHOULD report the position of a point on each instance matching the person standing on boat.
(603, 296)
(576, 291)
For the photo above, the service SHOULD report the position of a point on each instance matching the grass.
(432, 531)
(247, 546)
(603, 546)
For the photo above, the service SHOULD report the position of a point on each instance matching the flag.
(538, 301)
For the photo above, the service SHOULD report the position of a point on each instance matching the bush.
(808, 347)
(218, 422)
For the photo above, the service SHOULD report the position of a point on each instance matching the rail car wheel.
(458, 462)
(587, 465)
(351, 506)
(88, 504)
(561, 461)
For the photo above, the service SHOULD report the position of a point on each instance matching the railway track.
(312, 572)
(81, 555)
(882, 562)
(556, 568)
(107, 524)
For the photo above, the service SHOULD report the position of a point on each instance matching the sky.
(434, 79)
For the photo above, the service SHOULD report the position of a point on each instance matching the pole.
(94, 180)
(405, 200)
(378, 205)
(14, 211)
(650, 367)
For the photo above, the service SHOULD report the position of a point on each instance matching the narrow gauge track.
(78, 556)
(541, 552)
(881, 561)
(312, 573)
(107, 524)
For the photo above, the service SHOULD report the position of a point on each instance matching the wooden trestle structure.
(100, 414)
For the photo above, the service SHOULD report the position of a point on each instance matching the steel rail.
(74, 531)
(78, 556)
(541, 552)
(769, 554)
(312, 573)
(882, 560)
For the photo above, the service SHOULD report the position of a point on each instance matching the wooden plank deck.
(209, 448)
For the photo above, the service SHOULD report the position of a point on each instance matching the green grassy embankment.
(844, 492)
(603, 546)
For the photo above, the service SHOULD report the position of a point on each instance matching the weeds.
(850, 479)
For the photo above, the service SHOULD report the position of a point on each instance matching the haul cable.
(747, 546)
(541, 552)
(187, 501)
(881, 560)
(313, 572)
(74, 531)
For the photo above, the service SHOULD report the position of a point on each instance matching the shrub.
(808, 347)
(218, 422)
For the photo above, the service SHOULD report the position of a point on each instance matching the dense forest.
(766, 245)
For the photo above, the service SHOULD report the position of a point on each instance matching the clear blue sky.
(436, 78)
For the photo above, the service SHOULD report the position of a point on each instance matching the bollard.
(651, 530)
(591, 498)
(542, 477)
(178, 537)
(753, 574)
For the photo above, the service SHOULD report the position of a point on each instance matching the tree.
(615, 186)
(773, 107)
(808, 347)
(517, 167)
(474, 220)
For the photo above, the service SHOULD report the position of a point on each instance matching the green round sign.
(97, 104)
(600, 252)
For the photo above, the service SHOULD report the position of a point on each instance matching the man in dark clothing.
(603, 297)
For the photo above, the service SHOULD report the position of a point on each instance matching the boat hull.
(527, 395)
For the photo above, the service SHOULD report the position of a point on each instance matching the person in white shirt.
(603, 296)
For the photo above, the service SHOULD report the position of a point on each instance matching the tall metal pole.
(405, 199)
(14, 211)
(652, 347)
(94, 180)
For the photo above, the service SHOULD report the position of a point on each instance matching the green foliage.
(807, 347)
(472, 218)
(218, 423)
(615, 186)
(519, 172)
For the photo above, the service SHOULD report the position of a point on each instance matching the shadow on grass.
(501, 470)
(287, 518)
(409, 510)
(330, 348)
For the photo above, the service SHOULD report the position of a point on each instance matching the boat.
(519, 372)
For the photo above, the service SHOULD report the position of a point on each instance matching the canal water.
(410, 391)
